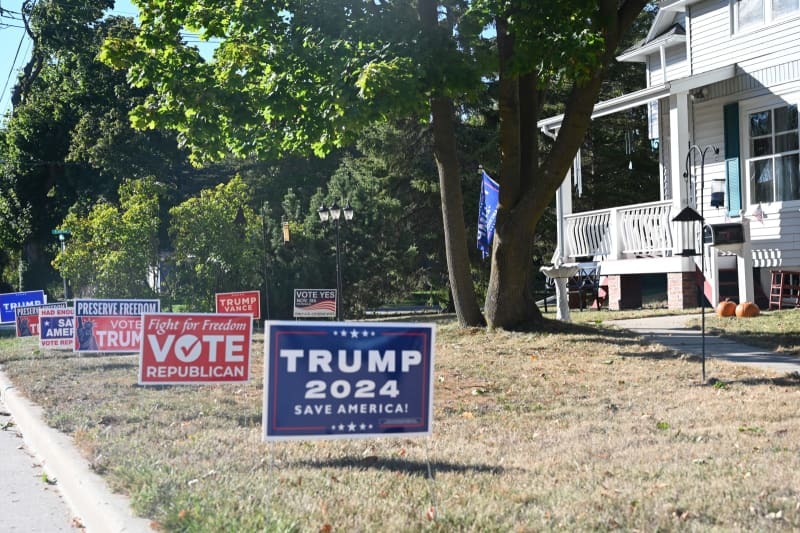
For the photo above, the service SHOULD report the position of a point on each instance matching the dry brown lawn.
(579, 428)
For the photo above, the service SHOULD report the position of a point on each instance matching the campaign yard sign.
(11, 300)
(248, 302)
(195, 348)
(347, 380)
(56, 325)
(110, 325)
(27, 318)
(315, 303)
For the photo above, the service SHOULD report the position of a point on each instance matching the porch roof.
(550, 126)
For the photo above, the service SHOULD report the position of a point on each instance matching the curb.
(84, 491)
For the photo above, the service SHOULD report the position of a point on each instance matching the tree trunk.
(509, 300)
(445, 153)
(455, 240)
(527, 185)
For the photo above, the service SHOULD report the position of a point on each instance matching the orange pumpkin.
(747, 309)
(726, 308)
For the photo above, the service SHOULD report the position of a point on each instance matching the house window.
(750, 14)
(783, 7)
(774, 163)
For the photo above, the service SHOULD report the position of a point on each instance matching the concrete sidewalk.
(28, 503)
(671, 331)
(78, 491)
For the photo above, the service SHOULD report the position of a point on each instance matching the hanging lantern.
(688, 217)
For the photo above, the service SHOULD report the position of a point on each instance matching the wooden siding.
(708, 131)
(713, 44)
(677, 66)
(775, 239)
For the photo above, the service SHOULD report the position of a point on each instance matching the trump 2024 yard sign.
(195, 348)
(347, 380)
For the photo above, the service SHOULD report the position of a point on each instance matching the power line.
(13, 64)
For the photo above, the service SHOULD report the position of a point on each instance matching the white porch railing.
(630, 231)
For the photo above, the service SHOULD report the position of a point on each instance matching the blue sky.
(13, 38)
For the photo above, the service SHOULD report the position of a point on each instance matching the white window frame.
(767, 12)
(765, 104)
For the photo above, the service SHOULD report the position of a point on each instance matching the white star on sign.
(363, 426)
(341, 427)
(351, 427)
(343, 333)
(365, 333)
(354, 334)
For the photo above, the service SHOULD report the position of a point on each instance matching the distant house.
(721, 74)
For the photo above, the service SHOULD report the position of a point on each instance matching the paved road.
(27, 503)
(672, 332)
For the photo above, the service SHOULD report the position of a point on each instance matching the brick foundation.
(681, 290)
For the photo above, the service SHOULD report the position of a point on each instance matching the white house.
(721, 75)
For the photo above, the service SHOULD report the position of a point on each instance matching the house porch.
(628, 242)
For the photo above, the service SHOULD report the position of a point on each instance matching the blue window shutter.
(733, 175)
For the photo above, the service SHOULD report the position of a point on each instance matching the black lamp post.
(334, 213)
(62, 235)
(691, 216)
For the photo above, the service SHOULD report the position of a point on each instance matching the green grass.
(775, 330)
(575, 428)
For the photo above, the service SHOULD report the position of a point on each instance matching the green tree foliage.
(310, 75)
(215, 237)
(113, 249)
(288, 77)
(296, 77)
(69, 138)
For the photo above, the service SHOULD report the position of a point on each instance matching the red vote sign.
(195, 348)
(239, 302)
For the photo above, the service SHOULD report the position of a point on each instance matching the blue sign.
(487, 213)
(11, 300)
(347, 380)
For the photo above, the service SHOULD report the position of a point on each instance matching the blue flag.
(487, 213)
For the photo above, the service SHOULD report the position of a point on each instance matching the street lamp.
(62, 235)
(334, 213)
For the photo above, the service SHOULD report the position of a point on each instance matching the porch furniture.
(585, 289)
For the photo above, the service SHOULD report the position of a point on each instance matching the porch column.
(744, 265)
(563, 208)
(615, 233)
(712, 273)
(679, 142)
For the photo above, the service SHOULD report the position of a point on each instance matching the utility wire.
(13, 64)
